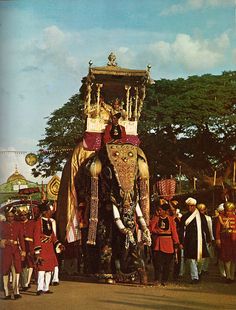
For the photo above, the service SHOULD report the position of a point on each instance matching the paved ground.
(211, 293)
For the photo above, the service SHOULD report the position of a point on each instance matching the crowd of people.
(193, 239)
(29, 246)
(187, 241)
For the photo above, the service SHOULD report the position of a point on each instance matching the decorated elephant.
(110, 179)
(114, 183)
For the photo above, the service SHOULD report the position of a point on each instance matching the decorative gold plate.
(31, 159)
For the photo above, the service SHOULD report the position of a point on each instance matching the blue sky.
(46, 46)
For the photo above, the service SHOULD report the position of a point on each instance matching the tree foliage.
(64, 129)
(193, 125)
(185, 122)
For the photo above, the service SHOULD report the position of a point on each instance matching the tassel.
(93, 212)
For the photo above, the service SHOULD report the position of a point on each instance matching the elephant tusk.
(140, 217)
(117, 219)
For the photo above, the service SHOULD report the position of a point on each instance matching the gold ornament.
(53, 187)
(31, 159)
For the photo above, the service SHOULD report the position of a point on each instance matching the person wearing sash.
(28, 266)
(12, 250)
(205, 261)
(219, 211)
(194, 236)
(226, 240)
(165, 243)
(44, 243)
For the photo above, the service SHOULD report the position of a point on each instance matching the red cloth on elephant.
(92, 141)
(164, 238)
(107, 138)
(133, 139)
(44, 242)
(28, 228)
(11, 254)
(227, 236)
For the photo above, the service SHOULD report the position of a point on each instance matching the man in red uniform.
(44, 242)
(226, 240)
(165, 241)
(13, 251)
(220, 210)
(114, 132)
(28, 227)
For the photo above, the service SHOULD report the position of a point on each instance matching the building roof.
(16, 177)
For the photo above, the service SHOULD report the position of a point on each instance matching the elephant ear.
(123, 158)
(141, 154)
(144, 185)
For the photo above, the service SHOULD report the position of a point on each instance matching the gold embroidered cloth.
(123, 157)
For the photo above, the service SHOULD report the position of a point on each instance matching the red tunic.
(28, 231)
(107, 134)
(44, 242)
(164, 238)
(226, 233)
(11, 254)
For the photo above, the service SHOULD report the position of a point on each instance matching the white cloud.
(163, 50)
(223, 42)
(193, 55)
(52, 49)
(191, 5)
(53, 38)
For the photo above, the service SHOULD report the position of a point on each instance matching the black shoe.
(194, 281)
(163, 284)
(25, 288)
(17, 296)
(55, 283)
(48, 292)
(40, 292)
(229, 281)
(8, 297)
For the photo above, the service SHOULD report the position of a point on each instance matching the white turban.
(2, 218)
(191, 201)
(220, 208)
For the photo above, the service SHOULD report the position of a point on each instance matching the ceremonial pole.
(214, 184)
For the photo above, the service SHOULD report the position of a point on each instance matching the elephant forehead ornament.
(123, 158)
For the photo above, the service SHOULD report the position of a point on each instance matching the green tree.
(193, 125)
(64, 129)
(185, 122)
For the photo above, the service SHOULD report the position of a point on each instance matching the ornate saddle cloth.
(123, 157)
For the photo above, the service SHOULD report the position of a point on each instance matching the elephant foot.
(143, 277)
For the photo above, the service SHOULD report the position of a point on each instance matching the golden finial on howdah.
(112, 60)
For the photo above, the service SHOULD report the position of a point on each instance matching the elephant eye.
(130, 154)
